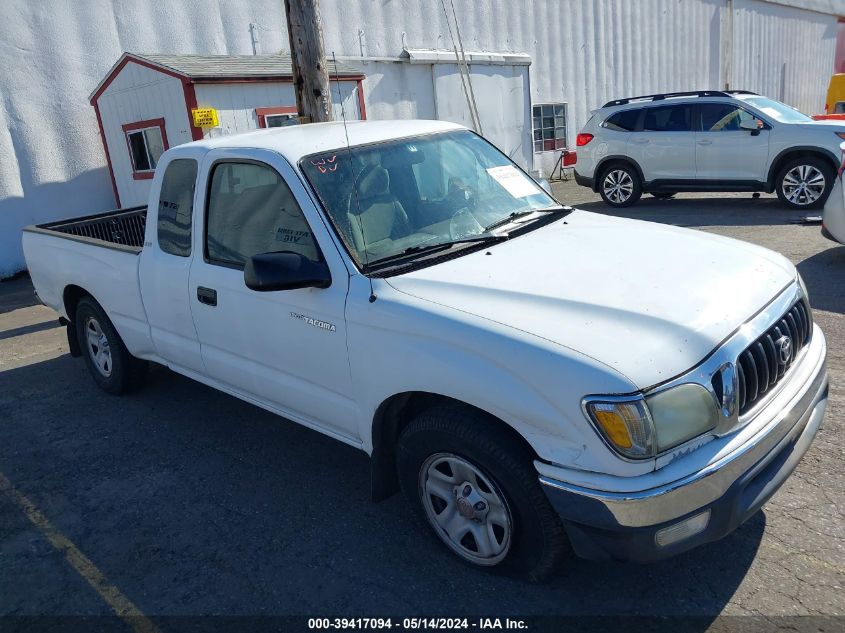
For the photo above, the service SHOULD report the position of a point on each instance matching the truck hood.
(648, 300)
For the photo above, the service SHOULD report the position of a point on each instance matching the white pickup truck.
(537, 379)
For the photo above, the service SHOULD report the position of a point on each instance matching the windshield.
(416, 192)
(778, 111)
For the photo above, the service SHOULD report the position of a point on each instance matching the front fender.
(402, 344)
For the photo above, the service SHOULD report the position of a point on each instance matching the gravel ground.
(190, 502)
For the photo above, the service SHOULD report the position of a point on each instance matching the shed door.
(504, 107)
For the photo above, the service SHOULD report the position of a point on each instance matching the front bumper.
(624, 525)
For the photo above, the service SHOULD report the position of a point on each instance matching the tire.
(483, 481)
(805, 182)
(620, 185)
(113, 368)
(662, 196)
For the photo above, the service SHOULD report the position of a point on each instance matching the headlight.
(643, 427)
(803, 287)
(682, 413)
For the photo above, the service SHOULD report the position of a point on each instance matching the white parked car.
(833, 218)
(707, 141)
(535, 378)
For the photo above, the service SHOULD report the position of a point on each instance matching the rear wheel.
(478, 491)
(111, 365)
(805, 182)
(620, 185)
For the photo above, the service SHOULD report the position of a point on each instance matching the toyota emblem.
(784, 347)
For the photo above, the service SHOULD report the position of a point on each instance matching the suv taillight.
(583, 139)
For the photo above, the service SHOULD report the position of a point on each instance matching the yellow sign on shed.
(205, 117)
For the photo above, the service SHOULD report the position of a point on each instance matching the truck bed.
(99, 255)
(122, 228)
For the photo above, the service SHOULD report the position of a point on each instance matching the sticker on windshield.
(325, 164)
(514, 182)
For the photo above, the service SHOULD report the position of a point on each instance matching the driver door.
(726, 152)
(285, 350)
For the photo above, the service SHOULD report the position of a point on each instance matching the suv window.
(251, 210)
(176, 207)
(674, 118)
(623, 121)
(722, 117)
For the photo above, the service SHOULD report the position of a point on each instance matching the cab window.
(251, 210)
(176, 207)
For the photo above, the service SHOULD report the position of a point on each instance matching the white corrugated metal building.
(569, 55)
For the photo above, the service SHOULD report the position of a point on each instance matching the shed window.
(281, 120)
(146, 141)
(278, 116)
(549, 127)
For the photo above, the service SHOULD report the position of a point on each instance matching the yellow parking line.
(119, 603)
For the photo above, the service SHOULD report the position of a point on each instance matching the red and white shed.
(145, 105)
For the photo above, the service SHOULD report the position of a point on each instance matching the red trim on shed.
(143, 125)
(191, 104)
(108, 155)
(362, 110)
(262, 113)
(131, 58)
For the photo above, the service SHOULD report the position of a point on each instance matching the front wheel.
(805, 183)
(620, 185)
(479, 493)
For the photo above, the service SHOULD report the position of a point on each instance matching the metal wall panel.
(784, 53)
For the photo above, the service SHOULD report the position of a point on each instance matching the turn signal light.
(614, 427)
(583, 139)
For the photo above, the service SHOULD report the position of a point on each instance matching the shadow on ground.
(699, 212)
(824, 274)
(193, 502)
(17, 292)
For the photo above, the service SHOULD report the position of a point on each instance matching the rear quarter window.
(622, 121)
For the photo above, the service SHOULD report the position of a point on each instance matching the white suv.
(707, 141)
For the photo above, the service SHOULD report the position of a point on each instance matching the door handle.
(704, 142)
(208, 296)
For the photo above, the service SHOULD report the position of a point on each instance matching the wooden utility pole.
(308, 58)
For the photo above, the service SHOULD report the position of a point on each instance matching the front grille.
(761, 366)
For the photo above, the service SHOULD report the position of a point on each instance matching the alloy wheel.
(803, 185)
(618, 185)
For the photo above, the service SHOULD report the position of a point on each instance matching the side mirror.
(754, 126)
(285, 270)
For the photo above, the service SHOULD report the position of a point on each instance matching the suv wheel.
(620, 185)
(805, 183)
(479, 493)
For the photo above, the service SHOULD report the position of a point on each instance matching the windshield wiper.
(441, 246)
(512, 217)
